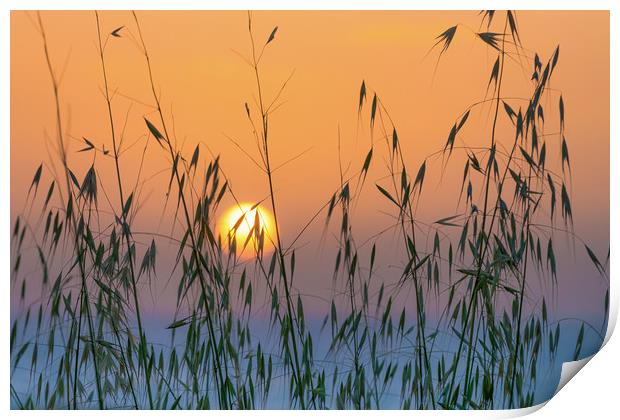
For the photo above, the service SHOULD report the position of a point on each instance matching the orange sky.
(204, 83)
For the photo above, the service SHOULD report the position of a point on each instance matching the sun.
(249, 226)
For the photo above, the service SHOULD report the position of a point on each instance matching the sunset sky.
(203, 82)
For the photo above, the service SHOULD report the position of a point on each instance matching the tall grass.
(483, 351)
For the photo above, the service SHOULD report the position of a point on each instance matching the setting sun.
(246, 222)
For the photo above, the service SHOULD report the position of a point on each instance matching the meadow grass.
(483, 352)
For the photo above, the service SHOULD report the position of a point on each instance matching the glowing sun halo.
(240, 221)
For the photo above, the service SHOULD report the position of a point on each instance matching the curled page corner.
(612, 316)
(569, 370)
(521, 412)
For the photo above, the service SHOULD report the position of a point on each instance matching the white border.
(595, 393)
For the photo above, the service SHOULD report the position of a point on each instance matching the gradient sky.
(204, 82)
